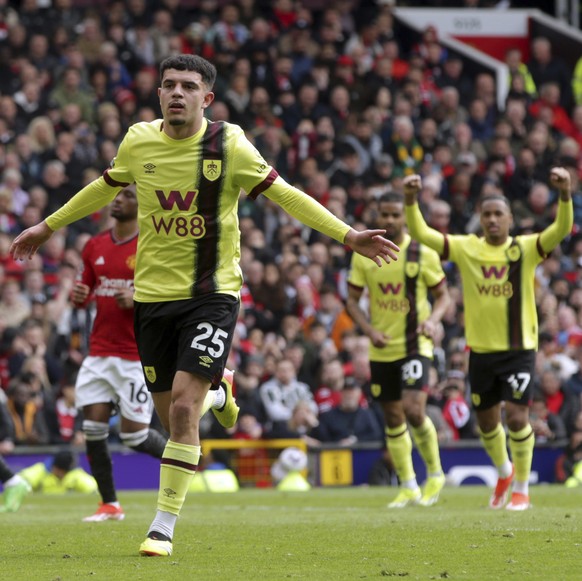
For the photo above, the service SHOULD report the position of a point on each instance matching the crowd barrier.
(464, 463)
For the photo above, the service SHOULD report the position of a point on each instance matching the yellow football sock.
(495, 444)
(400, 448)
(426, 440)
(178, 466)
(521, 445)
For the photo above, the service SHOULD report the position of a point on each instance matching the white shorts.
(117, 381)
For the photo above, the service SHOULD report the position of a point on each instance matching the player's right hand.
(80, 293)
(379, 339)
(124, 298)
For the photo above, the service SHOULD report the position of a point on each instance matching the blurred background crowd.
(344, 105)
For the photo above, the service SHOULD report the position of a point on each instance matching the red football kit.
(107, 266)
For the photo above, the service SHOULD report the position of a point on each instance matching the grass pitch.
(322, 535)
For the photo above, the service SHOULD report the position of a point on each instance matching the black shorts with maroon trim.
(390, 378)
(191, 335)
(501, 376)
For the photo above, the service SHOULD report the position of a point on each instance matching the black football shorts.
(192, 335)
(389, 379)
(501, 376)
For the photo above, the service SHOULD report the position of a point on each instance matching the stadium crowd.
(345, 106)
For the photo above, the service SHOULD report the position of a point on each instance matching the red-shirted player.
(111, 376)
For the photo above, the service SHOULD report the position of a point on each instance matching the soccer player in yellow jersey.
(400, 324)
(497, 271)
(189, 173)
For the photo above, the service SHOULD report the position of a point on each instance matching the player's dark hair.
(64, 460)
(391, 198)
(496, 198)
(190, 62)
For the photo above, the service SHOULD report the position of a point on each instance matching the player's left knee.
(517, 418)
(416, 418)
(134, 439)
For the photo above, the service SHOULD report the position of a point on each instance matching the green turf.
(325, 534)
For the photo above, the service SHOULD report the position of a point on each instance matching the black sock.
(102, 468)
(153, 445)
(5, 472)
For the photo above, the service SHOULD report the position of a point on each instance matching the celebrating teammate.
(497, 271)
(400, 326)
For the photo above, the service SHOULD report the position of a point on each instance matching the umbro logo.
(205, 360)
(100, 260)
(150, 168)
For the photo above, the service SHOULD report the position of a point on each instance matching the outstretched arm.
(90, 199)
(369, 243)
(562, 225)
(417, 226)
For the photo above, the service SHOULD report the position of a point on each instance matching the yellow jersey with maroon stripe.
(498, 290)
(498, 281)
(398, 298)
(188, 192)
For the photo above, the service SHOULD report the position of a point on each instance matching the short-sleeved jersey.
(107, 266)
(188, 219)
(498, 290)
(398, 298)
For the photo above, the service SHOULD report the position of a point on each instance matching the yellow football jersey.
(498, 291)
(398, 298)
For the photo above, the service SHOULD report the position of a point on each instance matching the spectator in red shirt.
(456, 411)
(328, 394)
(548, 108)
(558, 401)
